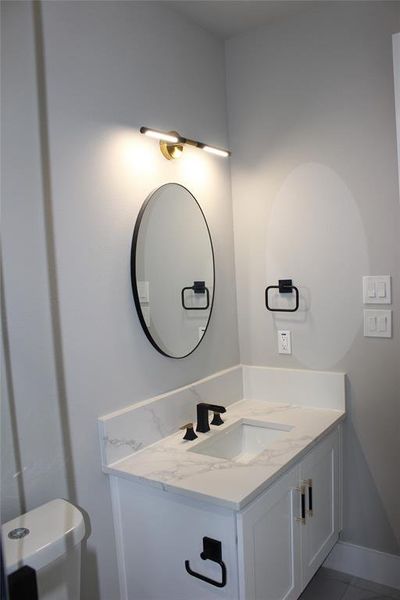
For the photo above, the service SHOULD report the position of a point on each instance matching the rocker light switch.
(371, 291)
(371, 324)
(378, 323)
(377, 289)
(381, 289)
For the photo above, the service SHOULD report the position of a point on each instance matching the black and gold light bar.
(172, 143)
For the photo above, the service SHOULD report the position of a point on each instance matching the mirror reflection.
(172, 270)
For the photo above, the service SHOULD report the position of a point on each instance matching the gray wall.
(110, 67)
(315, 193)
(32, 449)
(396, 68)
(312, 130)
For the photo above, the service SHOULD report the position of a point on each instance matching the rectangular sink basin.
(242, 441)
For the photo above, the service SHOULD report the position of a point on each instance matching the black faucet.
(202, 416)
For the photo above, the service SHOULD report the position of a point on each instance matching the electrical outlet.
(284, 342)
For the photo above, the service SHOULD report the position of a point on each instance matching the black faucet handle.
(190, 434)
(217, 419)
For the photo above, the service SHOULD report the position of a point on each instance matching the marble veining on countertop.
(169, 464)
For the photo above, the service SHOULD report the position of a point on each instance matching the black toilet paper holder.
(212, 550)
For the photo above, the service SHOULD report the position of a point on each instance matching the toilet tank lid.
(54, 528)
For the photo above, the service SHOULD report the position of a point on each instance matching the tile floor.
(333, 585)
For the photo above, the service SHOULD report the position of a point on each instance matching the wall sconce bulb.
(172, 144)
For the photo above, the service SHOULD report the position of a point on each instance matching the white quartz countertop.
(170, 465)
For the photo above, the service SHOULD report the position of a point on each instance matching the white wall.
(312, 131)
(111, 67)
(315, 191)
(32, 439)
(396, 70)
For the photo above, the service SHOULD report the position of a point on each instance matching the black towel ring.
(285, 286)
(198, 287)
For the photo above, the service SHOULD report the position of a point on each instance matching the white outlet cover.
(377, 289)
(284, 342)
(378, 323)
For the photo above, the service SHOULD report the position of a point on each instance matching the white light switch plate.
(378, 323)
(377, 289)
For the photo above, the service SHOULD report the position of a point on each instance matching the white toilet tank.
(52, 547)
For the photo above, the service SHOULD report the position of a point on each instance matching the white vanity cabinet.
(270, 549)
(156, 532)
(284, 538)
(320, 472)
(269, 543)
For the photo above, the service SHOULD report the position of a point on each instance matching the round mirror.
(172, 270)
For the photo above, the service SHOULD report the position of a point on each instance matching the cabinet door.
(269, 543)
(320, 474)
(157, 531)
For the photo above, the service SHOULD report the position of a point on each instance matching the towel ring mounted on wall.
(198, 287)
(285, 286)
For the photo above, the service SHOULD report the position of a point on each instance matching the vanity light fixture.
(216, 151)
(172, 143)
(160, 135)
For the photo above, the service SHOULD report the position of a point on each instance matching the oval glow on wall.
(315, 235)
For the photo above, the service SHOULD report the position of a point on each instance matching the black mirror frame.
(133, 271)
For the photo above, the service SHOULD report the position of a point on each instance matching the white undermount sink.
(242, 441)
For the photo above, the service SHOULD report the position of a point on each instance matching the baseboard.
(365, 563)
